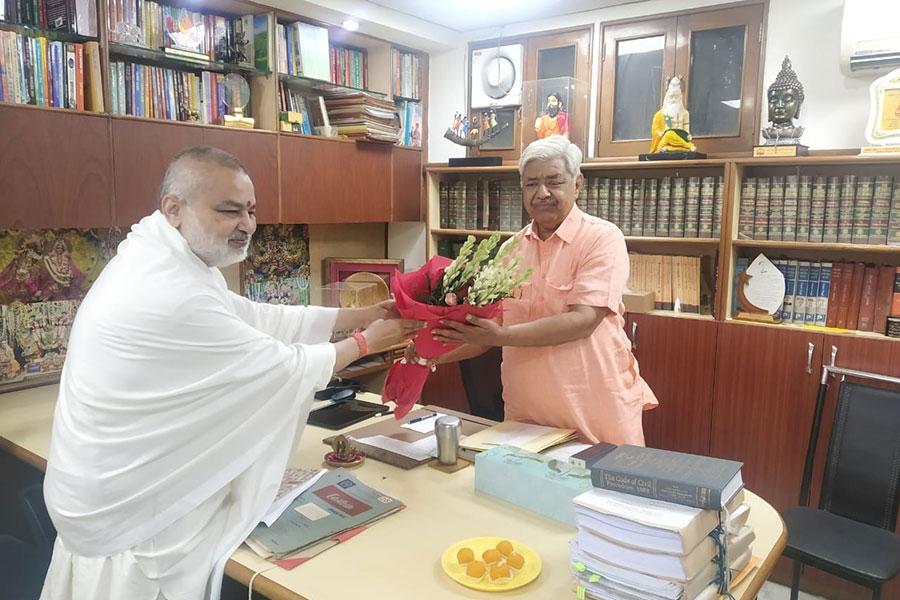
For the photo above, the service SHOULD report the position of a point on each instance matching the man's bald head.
(189, 167)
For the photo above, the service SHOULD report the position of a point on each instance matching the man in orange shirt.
(566, 359)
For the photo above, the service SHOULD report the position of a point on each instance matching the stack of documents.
(533, 438)
(630, 548)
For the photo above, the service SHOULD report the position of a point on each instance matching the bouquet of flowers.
(473, 284)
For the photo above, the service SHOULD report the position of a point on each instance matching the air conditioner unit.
(870, 37)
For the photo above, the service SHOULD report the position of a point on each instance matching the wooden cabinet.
(258, 150)
(56, 169)
(142, 150)
(334, 181)
(406, 185)
(763, 403)
(677, 358)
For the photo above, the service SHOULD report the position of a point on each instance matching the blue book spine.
(801, 290)
(824, 290)
(740, 266)
(787, 308)
(812, 293)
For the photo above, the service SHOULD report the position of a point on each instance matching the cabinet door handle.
(810, 348)
(633, 336)
(834, 351)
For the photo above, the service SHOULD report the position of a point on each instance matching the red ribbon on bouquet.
(405, 381)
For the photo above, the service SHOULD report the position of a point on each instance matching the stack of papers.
(294, 483)
(533, 438)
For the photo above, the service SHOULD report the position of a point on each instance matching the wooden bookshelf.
(814, 247)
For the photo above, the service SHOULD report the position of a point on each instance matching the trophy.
(237, 96)
(760, 292)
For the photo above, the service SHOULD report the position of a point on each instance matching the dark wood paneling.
(677, 358)
(258, 151)
(142, 150)
(763, 405)
(406, 185)
(330, 181)
(56, 169)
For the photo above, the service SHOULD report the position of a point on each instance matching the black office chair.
(851, 534)
(481, 380)
(23, 565)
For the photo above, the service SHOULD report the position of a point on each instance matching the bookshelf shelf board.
(815, 246)
(631, 163)
(681, 315)
(168, 60)
(443, 168)
(88, 113)
(189, 124)
(814, 161)
(31, 31)
(475, 232)
(321, 85)
(869, 335)
(672, 240)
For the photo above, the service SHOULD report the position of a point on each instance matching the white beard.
(213, 251)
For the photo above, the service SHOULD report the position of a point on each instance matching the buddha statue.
(785, 96)
(671, 127)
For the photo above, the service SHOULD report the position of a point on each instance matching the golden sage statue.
(671, 127)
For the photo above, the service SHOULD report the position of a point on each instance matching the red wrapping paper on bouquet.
(405, 381)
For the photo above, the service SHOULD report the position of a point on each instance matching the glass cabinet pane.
(556, 62)
(638, 86)
(714, 94)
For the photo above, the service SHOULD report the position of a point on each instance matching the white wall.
(809, 31)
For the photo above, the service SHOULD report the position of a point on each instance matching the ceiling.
(471, 15)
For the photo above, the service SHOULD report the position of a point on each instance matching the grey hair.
(183, 173)
(550, 148)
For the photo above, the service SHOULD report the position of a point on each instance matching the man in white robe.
(180, 401)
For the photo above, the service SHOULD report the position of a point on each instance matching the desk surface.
(401, 553)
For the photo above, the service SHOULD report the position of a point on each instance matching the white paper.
(420, 450)
(765, 289)
(294, 483)
(564, 452)
(426, 425)
(523, 433)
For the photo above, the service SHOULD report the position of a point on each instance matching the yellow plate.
(530, 570)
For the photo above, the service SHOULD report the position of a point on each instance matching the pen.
(417, 419)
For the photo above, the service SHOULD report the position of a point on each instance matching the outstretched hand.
(477, 331)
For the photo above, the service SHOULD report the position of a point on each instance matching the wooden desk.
(399, 557)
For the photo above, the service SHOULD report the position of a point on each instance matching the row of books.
(667, 207)
(660, 525)
(303, 50)
(35, 70)
(71, 16)
(410, 123)
(160, 93)
(674, 280)
(850, 209)
(349, 66)
(294, 110)
(406, 79)
(189, 34)
(360, 115)
(490, 204)
(852, 296)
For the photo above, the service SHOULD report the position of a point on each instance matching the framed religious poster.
(883, 128)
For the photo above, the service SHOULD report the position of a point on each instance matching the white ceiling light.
(350, 25)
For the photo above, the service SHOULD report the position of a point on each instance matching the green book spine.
(776, 209)
(615, 203)
(717, 206)
(692, 208)
(676, 216)
(650, 189)
(444, 200)
(893, 238)
(748, 209)
(582, 199)
(881, 209)
(603, 198)
(637, 208)
(593, 185)
(862, 209)
(817, 209)
(804, 208)
(791, 184)
(707, 203)
(847, 210)
(663, 207)
(761, 212)
(625, 207)
(832, 210)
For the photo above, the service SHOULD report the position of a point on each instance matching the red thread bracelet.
(361, 342)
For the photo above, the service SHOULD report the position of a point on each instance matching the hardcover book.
(688, 479)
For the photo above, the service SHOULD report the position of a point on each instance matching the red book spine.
(867, 300)
(883, 292)
(837, 280)
(856, 285)
(895, 299)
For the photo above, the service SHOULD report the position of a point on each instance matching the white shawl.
(173, 389)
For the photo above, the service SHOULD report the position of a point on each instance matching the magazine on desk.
(336, 503)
